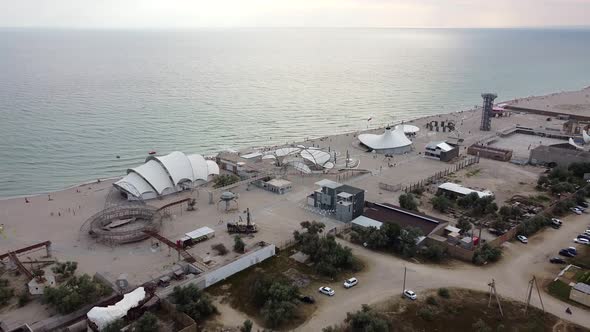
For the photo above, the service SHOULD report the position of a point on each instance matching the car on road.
(585, 204)
(581, 208)
(557, 260)
(410, 294)
(350, 282)
(576, 211)
(566, 253)
(573, 250)
(522, 238)
(584, 236)
(582, 241)
(587, 231)
(327, 291)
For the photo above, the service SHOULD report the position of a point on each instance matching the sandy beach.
(59, 216)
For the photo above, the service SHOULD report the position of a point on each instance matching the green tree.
(75, 293)
(543, 182)
(225, 180)
(239, 245)
(408, 202)
(434, 252)
(276, 298)
(247, 326)
(441, 203)
(148, 322)
(579, 169)
(562, 187)
(65, 270)
(468, 200)
(481, 326)
(486, 254)
(408, 241)
(114, 326)
(560, 174)
(328, 256)
(464, 225)
(367, 319)
(6, 293)
(193, 302)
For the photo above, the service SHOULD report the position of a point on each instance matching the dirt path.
(384, 277)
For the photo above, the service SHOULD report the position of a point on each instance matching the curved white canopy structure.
(178, 166)
(391, 141)
(154, 174)
(167, 174)
(300, 166)
(409, 129)
(586, 137)
(285, 151)
(317, 157)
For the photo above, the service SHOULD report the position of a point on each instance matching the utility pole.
(404, 287)
(495, 293)
(533, 282)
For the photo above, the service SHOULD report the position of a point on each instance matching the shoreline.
(377, 126)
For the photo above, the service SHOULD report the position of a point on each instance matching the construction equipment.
(242, 227)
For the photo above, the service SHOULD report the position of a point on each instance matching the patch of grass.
(583, 276)
(444, 293)
(473, 172)
(559, 289)
(583, 258)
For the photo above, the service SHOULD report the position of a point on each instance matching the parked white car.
(350, 282)
(576, 211)
(582, 241)
(327, 291)
(410, 294)
(522, 239)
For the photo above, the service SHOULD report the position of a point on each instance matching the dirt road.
(383, 277)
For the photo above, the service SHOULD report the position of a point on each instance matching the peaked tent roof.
(390, 139)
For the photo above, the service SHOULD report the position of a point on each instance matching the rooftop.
(350, 189)
(279, 183)
(328, 183)
(367, 222)
(402, 217)
(582, 287)
(459, 189)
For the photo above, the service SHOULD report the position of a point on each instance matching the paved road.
(384, 276)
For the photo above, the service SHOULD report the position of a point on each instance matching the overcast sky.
(293, 13)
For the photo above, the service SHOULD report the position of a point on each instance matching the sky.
(294, 13)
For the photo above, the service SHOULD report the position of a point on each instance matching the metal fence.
(439, 175)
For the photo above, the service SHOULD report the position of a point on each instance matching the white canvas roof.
(102, 316)
(199, 167)
(367, 222)
(154, 174)
(572, 143)
(177, 165)
(251, 155)
(197, 233)
(212, 168)
(318, 157)
(135, 185)
(300, 166)
(443, 146)
(285, 151)
(328, 183)
(390, 139)
(409, 129)
(459, 189)
(586, 137)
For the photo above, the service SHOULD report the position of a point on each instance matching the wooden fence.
(439, 175)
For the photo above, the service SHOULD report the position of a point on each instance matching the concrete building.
(345, 201)
(581, 293)
(279, 186)
(388, 213)
(363, 222)
(489, 152)
(37, 287)
(561, 155)
(441, 150)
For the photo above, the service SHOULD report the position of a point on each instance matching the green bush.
(434, 252)
(367, 319)
(441, 203)
(276, 299)
(408, 202)
(225, 180)
(444, 293)
(193, 302)
(431, 300)
(486, 254)
(481, 326)
(114, 326)
(239, 245)
(426, 313)
(148, 322)
(247, 326)
(75, 293)
(6, 293)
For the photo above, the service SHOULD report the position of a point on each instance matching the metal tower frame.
(486, 114)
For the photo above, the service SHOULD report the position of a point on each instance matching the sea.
(71, 101)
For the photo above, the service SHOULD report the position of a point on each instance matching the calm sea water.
(71, 101)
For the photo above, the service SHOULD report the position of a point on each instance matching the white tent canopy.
(167, 174)
(390, 139)
(409, 129)
(102, 316)
(586, 137)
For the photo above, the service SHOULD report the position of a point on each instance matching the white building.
(164, 175)
(460, 191)
(392, 141)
